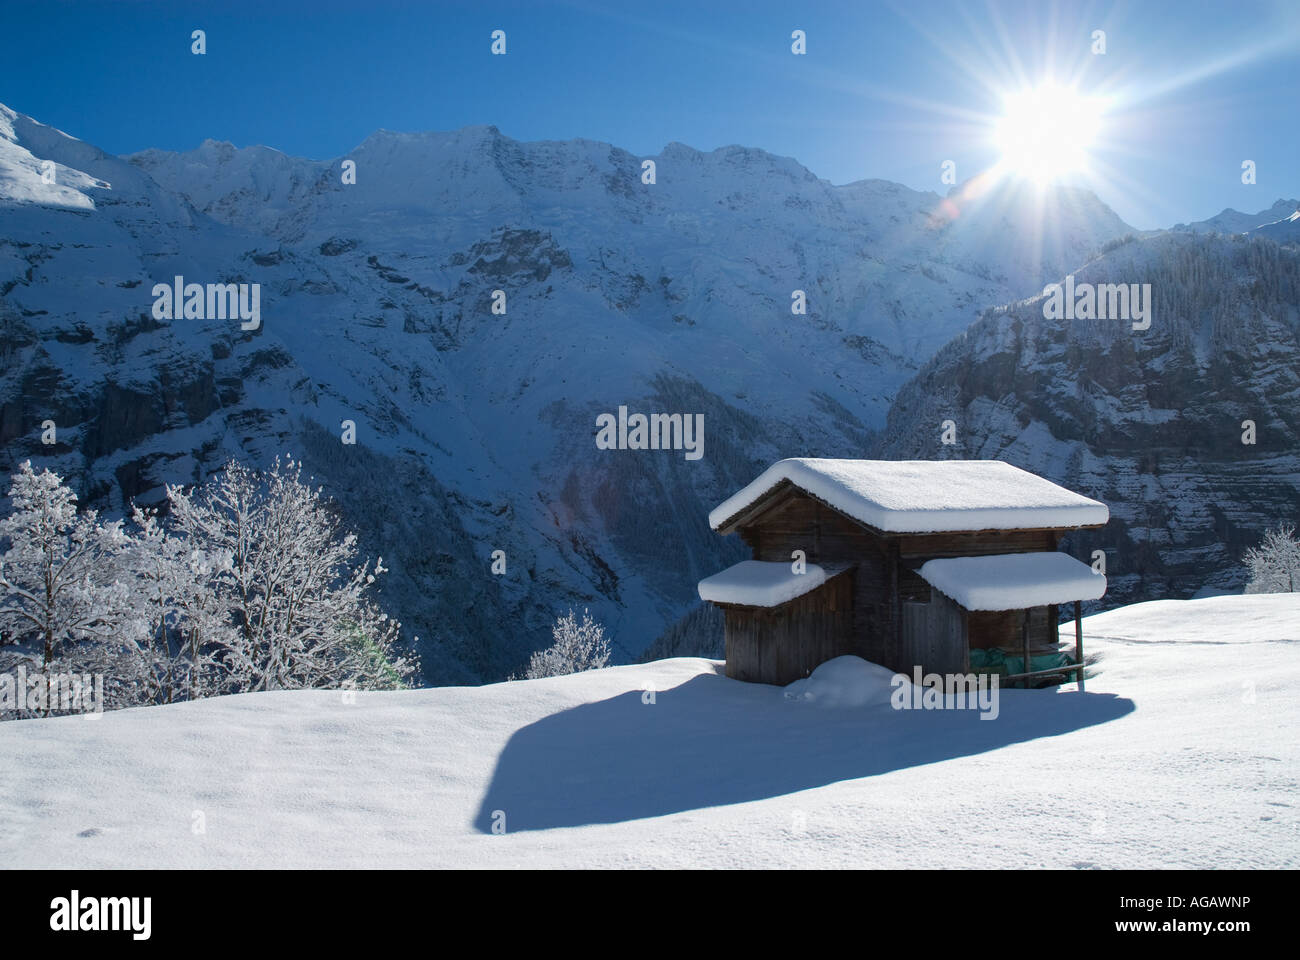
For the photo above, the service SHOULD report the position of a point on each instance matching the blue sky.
(887, 90)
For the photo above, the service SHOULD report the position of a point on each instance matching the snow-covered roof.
(925, 496)
(759, 583)
(1014, 581)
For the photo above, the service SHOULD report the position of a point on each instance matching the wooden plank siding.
(799, 522)
(883, 582)
(934, 636)
(930, 546)
(782, 644)
(1001, 628)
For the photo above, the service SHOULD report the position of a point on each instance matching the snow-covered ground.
(1183, 752)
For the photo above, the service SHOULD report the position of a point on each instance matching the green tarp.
(995, 660)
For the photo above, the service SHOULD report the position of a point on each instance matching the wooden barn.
(929, 564)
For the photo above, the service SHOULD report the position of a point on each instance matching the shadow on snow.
(713, 741)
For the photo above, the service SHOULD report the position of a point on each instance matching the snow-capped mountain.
(1152, 422)
(475, 429)
(1286, 230)
(1234, 221)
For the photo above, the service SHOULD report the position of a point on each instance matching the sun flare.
(1047, 132)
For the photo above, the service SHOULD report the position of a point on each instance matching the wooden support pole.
(893, 558)
(1078, 639)
(1024, 639)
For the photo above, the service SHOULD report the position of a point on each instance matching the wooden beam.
(1068, 668)
(1078, 639)
(895, 605)
(784, 491)
(768, 501)
(1024, 638)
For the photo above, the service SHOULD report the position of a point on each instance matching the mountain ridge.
(377, 307)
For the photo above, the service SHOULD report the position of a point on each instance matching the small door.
(934, 636)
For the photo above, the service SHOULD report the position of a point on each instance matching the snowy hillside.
(1182, 753)
(474, 429)
(1150, 422)
(25, 178)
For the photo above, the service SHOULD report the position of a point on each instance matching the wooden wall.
(886, 563)
(785, 643)
(1001, 628)
(928, 546)
(799, 522)
(934, 636)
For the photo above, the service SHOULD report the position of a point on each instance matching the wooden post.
(1024, 638)
(894, 558)
(1078, 640)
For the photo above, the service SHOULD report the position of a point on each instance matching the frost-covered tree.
(250, 587)
(1275, 564)
(64, 599)
(577, 647)
(299, 604)
(184, 616)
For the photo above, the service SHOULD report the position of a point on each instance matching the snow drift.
(846, 681)
(1181, 754)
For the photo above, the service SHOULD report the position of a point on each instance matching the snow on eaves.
(758, 583)
(1014, 581)
(925, 496)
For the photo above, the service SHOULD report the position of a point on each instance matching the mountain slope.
(475, 429)
(1150, 422)
(1286, 230)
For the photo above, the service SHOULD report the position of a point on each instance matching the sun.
(1047, 132)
